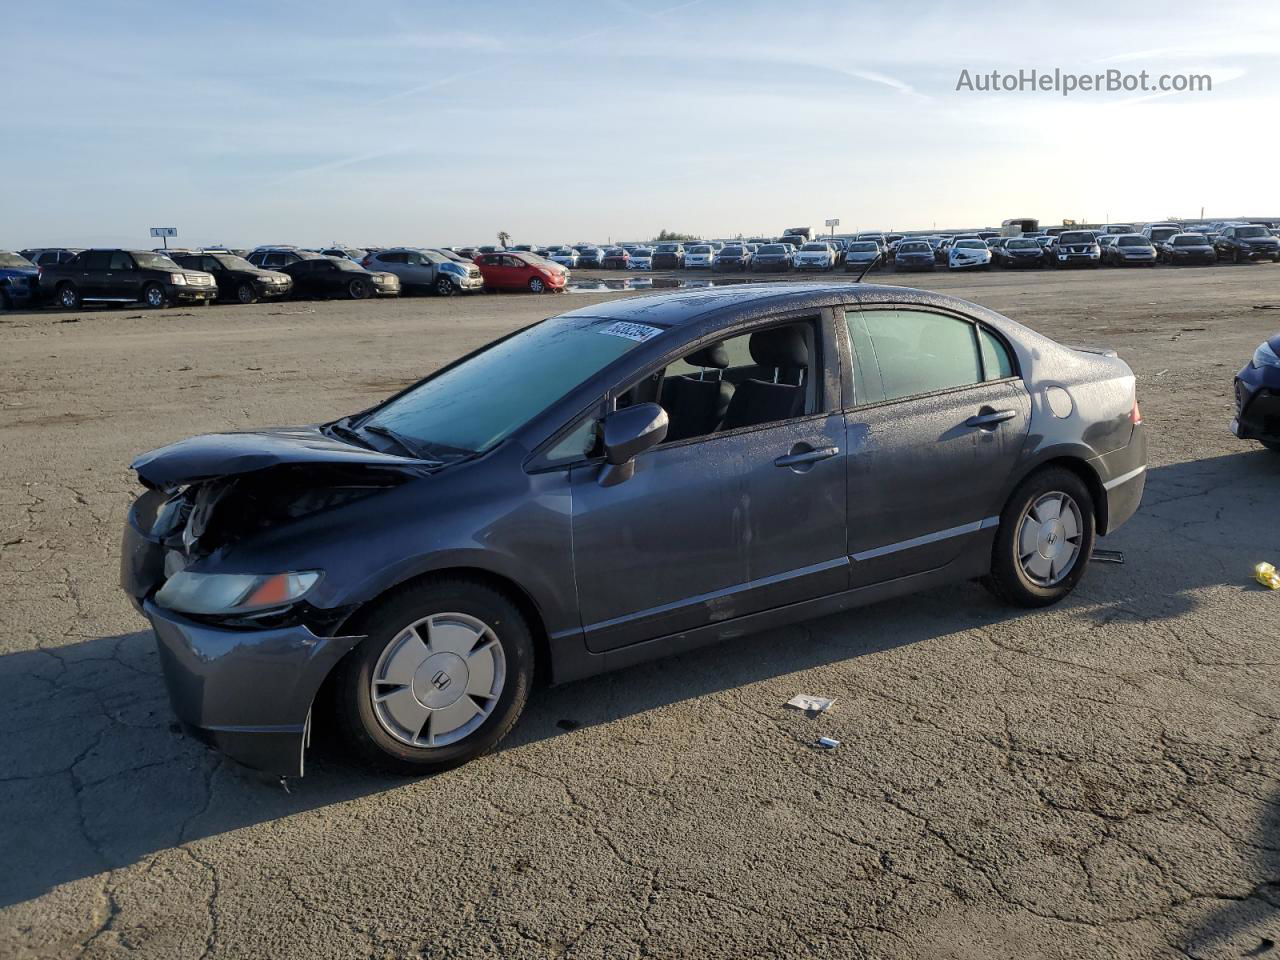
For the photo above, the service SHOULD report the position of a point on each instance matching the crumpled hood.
(231, 454)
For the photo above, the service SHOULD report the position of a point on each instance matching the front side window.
(905, 353)
(120, 261)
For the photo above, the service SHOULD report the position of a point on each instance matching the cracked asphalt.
(1094, 780)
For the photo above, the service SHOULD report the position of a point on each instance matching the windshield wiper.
(339, 429)
(400, 440)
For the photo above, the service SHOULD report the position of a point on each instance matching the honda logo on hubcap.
(441, 680)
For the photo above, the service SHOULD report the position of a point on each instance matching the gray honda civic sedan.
(624, 481)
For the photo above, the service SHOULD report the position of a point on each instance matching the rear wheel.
(445, 287)
(442, 677)
(68, 296)
(358, 289)
(245, 293)
(536, 285)
(1044, 540)
(153, 296)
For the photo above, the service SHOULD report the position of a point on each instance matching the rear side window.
(97, 260)
(996, 362)
(121, 261)
(905, 353)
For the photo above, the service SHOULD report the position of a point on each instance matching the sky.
(427, 123)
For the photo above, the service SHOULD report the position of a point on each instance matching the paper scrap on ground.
(828, 743)
(811, 704)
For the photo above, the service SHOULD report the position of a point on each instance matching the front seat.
(696, 406)
(786, 350)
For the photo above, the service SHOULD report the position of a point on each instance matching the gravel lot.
(1094, 780)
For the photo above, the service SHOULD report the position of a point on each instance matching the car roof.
(735, 303)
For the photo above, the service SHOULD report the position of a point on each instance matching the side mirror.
(627, 434)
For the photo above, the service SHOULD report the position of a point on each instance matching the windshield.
(482, 400)
(155, 261)
(970, 245)
(1076, 237)
(667, 247)
(1021, 245)
(1163, 233)
(773, 248)
(345, 264)
(617, 252)
(815, 247)
(731, 252)
(698, 249)
(13, 260)
(1251, 232)
(233, 262)
(1189, 240)
(1132, 242)
(914, 246)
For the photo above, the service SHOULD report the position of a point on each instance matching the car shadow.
(95, 775)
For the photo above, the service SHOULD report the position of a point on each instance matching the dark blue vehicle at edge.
(1257, 390)
(625, 481)
(19, 280)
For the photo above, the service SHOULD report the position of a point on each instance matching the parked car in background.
(816, 255)
(124, 276)
(325, 277)
(772, 258)
(19, 281)
(698, 256)
(910, 255)
(1130, 250)
(237, 279)
(1118, 228)
(732, 257)
(1019, 252)
(408, 558)
(46, 256)
(566, 256)
(859, 253)
(668, 256)
(421, 269)
(589, 258)
(1159, 233)
(1243, 242)
(641, 258)
(615, 258)
(1257, 395)
(972, 254)
(1075, 248)
(521, 271)
(1187, 248)
(796, 240)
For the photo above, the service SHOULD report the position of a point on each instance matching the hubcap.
(535, 286)
(438, 680)
(68, 298)
(154, 297)
(1049, 537)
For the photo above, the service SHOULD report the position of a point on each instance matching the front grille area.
(199, 279)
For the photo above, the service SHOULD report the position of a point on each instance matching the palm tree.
(503, 237)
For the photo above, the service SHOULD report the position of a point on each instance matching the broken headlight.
(212, 594)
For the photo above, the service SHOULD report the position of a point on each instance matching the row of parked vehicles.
(68, 278)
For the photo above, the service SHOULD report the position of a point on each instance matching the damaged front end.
(245, 644)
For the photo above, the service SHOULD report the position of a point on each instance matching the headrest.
(712, 355)
(780, 347)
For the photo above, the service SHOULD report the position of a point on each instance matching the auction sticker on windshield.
(639, 332)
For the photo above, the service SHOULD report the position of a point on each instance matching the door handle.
(806, 456)
(991, 418)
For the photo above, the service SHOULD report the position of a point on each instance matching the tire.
(68, 297)
(378, 734)
(1034, 579)
(1236, 255)
(536, 285)
(245, 294)
(1272, 445)
(153, 296)
(445, 288)
(358, 289)
(5, 305)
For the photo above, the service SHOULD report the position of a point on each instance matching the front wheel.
(1044, 540)
(445, 287)
(357, 289)
(153, 296)
(245, 293)
(442, 677)
(536, 285)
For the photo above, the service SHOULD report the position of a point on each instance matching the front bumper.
(190, 294)
(272, 289)
(467, 284)
(817, 265)
(1068, 259)
(1257, 394)
(766, 266)
(968, 264)
(246, 692)
(1178, 258)
(1259, 253)
(1124, 259)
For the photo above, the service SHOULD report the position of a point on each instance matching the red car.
(615, 258)
(515, 270)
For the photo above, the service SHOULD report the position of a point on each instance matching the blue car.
(1258, 397)
(18, 280)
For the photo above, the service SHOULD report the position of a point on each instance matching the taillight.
(1135, 415)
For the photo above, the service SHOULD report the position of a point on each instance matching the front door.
(938, 423)
(747, 516)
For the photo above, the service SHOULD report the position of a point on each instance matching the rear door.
(123, 279)
(936, 419)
